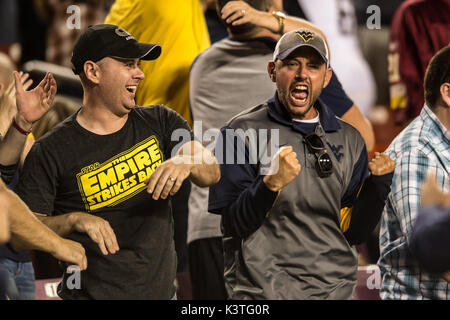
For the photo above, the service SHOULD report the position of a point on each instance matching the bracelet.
(280, 16)
(19, 128)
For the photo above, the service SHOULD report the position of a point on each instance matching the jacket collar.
(278, 113)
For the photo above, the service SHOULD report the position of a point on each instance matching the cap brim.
(283, 55)
(138, 50)
(149, 51)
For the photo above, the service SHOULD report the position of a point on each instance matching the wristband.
(19, 128)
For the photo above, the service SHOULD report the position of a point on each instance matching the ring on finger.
(172, 179)
(243, 11)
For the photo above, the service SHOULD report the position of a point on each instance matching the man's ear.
(328, 74)
(271, 71)
(445, 93)
(92, 71)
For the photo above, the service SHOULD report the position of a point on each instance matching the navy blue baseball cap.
(107, 40)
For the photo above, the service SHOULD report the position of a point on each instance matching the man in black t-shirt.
(88, 176)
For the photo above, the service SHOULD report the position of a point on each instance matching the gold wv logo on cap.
(305, 35)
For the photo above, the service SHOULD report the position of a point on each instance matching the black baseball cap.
(107, 40)
(292, 40)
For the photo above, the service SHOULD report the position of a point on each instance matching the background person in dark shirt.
(106, 173)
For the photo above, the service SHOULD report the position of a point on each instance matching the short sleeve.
(37, 180)
(176, 130)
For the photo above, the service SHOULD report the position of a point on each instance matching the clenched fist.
(381, 164)
(284, 168)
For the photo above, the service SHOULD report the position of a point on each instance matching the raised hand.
(33, 104)
(381, 164)
(8, 107)
(98, 229)
(283, 169)
(239, 12)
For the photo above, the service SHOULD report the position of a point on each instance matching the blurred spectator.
(216, 28)
(63, 107)
(8, 25)
(66, 20)
(32, 32)
(430, 235)
(423, 147)
(337, 20)
(6, 79)
(419, 29)
(17, 265)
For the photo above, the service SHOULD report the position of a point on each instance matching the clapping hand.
(239, 12)
(8, 107)
(33, 104)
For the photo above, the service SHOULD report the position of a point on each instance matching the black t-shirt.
(72, 169)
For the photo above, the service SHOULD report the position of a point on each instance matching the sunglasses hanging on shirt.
(324, 165)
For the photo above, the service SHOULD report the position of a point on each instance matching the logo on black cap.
(123, 33)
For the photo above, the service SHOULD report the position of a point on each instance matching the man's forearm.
(11, 147)
(246, 214)
(205, 170)
(271, 23)
(204, 175)
(63, 224)
(27, 232)
(7, 112)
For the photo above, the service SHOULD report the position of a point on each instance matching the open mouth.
(131, 89)
(300, 93)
